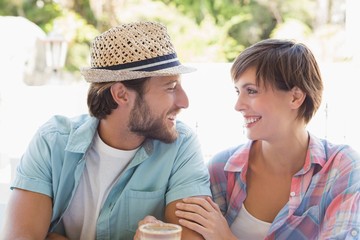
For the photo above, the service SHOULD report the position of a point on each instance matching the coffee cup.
(155, 231)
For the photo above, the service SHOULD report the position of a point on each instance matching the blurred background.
(43, 44)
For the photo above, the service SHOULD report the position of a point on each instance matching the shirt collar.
(315, 155)
(239, 159)
(82, 134)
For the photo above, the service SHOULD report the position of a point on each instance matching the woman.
(285, 183)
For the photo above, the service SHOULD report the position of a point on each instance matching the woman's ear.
(298, 97)
(119, 93)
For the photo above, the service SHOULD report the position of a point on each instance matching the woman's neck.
(285, 157)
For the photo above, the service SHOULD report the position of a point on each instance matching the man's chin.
(166, 136)
(170, 138)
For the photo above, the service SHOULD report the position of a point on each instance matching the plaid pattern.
(326, 204)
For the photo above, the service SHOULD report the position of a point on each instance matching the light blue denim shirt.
(158, 174)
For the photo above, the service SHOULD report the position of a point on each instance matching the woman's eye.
(251, 91)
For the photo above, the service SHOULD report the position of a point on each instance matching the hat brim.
(105, 75)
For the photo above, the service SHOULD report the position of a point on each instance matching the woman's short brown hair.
(284, 64)
(100, 101)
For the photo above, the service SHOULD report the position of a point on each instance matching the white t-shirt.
(103, 166)
(248, 227)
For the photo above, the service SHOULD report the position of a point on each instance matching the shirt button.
(354, 232)
(292, 194)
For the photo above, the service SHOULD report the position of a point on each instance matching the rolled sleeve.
(34, 170)
(190, 176)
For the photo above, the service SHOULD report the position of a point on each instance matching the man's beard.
(144, 124)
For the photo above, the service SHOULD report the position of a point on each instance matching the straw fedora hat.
(131, 51)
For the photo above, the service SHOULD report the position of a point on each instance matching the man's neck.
(118, 135)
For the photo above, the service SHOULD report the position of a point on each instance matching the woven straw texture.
(130, 43)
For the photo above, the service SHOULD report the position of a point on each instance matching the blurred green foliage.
(79, 34)
(245, 22)
(48, 14)
(202, 30)
(39, 12)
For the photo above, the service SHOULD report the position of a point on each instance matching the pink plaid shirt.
(325, 194)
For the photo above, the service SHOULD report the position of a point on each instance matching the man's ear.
(119, 93)
(298, 97)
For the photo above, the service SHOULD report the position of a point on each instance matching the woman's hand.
(147, 219)
(204, 216)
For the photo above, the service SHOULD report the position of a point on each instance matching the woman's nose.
(240, 103)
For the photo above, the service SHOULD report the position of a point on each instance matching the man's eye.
(172, 87)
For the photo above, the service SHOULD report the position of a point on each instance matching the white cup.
(155, 231)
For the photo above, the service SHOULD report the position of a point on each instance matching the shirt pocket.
(306, 222)
(142, 203)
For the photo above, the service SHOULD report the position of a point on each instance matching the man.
(97, 176)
